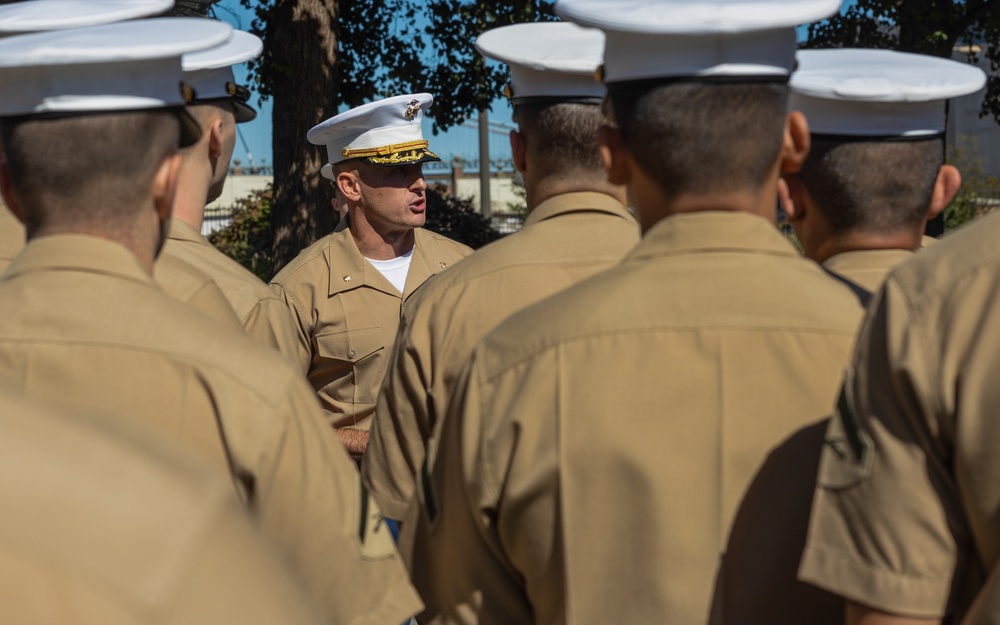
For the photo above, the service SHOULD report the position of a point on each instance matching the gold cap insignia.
(187, 92)
(508, 92)
(239, 92)
(599, 73)
(411, 110)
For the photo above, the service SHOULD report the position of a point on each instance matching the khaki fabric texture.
(867, 268)
(346, 316)
(103, 526)
(186, 283)
(11, 236)
(82, 325)
(904, 518)
(564, 240)
(600, 442)
(261, 313)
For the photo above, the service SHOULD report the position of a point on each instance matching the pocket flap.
(350, 345)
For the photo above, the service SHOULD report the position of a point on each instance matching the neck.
(863, 241)
(653, 203)
(548, 188)
(145, 254)
(737, 202)
(379, 245)
(192, 194)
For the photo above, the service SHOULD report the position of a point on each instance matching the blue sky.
(254, 141)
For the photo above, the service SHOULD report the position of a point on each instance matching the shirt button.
(352, 354)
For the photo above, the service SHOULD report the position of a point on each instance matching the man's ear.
(790, 194)
(613, 155)
(796, 143)
(7, 191)
(946, 187)
(349, 185)
(214, 132)
(519, 150)
(165, 185)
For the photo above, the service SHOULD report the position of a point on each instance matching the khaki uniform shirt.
(346, 315)
(867, 268)
(104, 527)
(82, 324)
(905, 513)
(600, 442)
(261, 313)
(564, 240)
(11, 236)
(186, 283)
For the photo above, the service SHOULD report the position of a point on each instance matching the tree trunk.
(304, 79)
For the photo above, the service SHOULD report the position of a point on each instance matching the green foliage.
(386, 47)
(931, 27)
(247, 239)
(979, 193)
(458, 219)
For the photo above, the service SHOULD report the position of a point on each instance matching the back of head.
(877, 119)
(561, 139)
(103, 163)
(96, 112)
(872, 186)
(703, 137)
(698, 88)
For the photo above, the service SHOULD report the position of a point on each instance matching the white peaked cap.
(41, 15)
(550, 60)
(878, 93)
(120, 66)
(210, 72)
(663, 39)
(385, 132)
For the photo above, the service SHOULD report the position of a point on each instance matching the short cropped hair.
(203, 110)
(698, 138)
(881, 187)
(90, 171)
(563, 136)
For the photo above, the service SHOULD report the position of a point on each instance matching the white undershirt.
(394, 269)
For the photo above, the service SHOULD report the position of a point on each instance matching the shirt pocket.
(358, 350)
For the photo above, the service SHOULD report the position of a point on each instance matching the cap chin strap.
(557, 99)
(877, 138)
(729, 79)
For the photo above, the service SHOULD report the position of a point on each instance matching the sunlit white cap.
(385, 132)
(210, 72)
(665, 39)
(548, 60)
(878, 93)
(115, 67)
(41, 15)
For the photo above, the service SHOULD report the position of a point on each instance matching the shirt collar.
(353, 271)
(183, 231)
(713, 231)
(582, 201)
(76, 252)
(866, 259)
